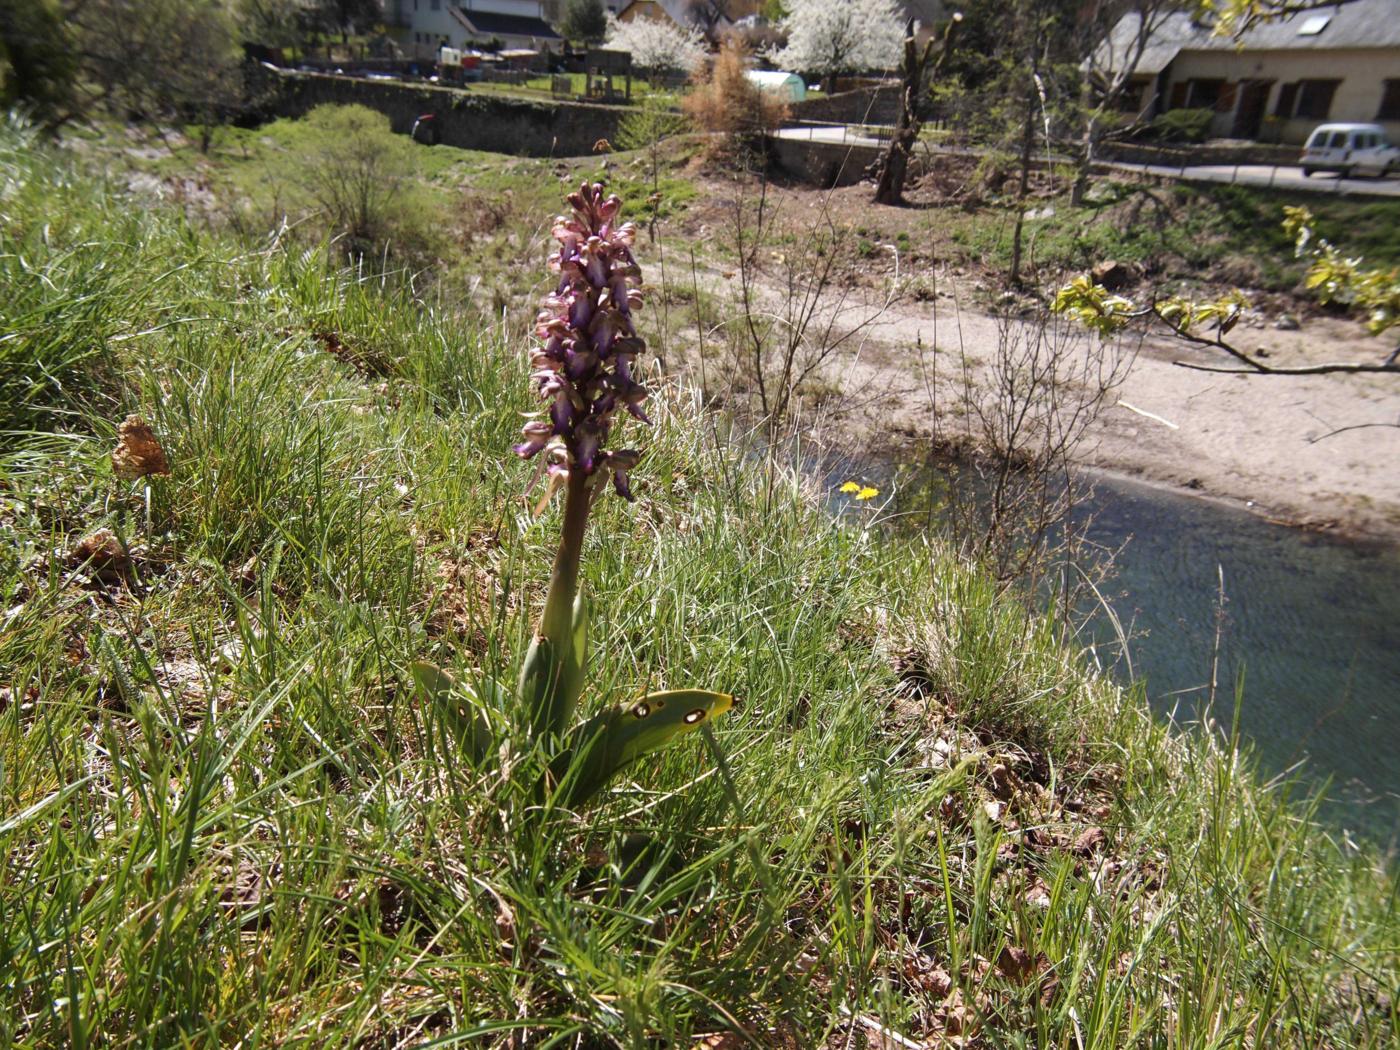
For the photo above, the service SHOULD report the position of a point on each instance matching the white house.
(426, 25)
(1280, 79)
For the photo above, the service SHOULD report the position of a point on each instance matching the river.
(1311, 633)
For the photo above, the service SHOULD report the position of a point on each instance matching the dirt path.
(1273, 444)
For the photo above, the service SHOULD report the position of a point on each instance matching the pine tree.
(585, 21)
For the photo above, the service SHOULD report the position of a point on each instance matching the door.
(1249, 114)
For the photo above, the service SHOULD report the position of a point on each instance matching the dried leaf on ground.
(1015, 964)
(138, 454)
(1089, 840)
(102, 554)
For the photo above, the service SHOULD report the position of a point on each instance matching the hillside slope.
(227, 819)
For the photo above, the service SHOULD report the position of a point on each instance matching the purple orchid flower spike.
(581, 363)
(587, 344)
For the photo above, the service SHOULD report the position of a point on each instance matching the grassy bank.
(1229, 235)
(225, 817)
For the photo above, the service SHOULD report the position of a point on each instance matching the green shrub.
(1183, 125)
(358, 175)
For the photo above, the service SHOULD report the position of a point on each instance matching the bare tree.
(708, 16)
(916, 70)
(1119, 35)
(1008, 431)
(795, 311)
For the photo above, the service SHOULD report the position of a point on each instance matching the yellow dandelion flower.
(867, 493)
(850, 486)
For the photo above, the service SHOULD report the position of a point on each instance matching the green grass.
(541, 87)
(1223, 234)
(226, 819)
(468, 221)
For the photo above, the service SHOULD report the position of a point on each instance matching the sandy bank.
(1320, 452)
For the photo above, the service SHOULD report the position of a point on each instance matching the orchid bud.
(586, 342)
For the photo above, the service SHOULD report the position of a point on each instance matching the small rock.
(1113, 275)
(1287, 323)
(1263, 351)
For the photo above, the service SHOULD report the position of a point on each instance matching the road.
(1282, 178)
(1262, 175)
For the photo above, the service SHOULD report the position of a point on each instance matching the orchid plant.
(582, 361)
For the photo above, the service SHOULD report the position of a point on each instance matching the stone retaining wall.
(466, 119)
(863, 106)
(827, 164)
(1206, 153)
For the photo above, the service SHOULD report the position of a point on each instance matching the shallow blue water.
(1311, 628)
(1310, 634)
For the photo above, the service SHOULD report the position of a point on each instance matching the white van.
(1350, 149)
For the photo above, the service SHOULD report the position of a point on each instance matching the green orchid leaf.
(539, 682)
(459, 707)
(551, 678)
(571, 674)
(607, 743)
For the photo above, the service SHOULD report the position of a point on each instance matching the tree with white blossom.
(841, 36)
(658, 46)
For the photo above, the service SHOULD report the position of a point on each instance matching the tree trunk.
(1085, 158)
(1027, 143)
(894, 166)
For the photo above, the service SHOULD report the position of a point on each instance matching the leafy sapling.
(582, 360)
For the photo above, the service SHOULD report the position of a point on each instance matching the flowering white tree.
(841, 36)
(657, 46)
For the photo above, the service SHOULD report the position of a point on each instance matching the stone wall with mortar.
(862, 106)
(481, 120)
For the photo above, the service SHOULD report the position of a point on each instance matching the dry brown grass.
(726, 103)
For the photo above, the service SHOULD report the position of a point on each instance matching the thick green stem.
(551, 677)
(556, 622)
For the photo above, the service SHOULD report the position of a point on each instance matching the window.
(1225, 100)
(1287, 100)
(1315, 98)
(1390, 101)
(1339, 140)
(1204, 94)
(1314, 25)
